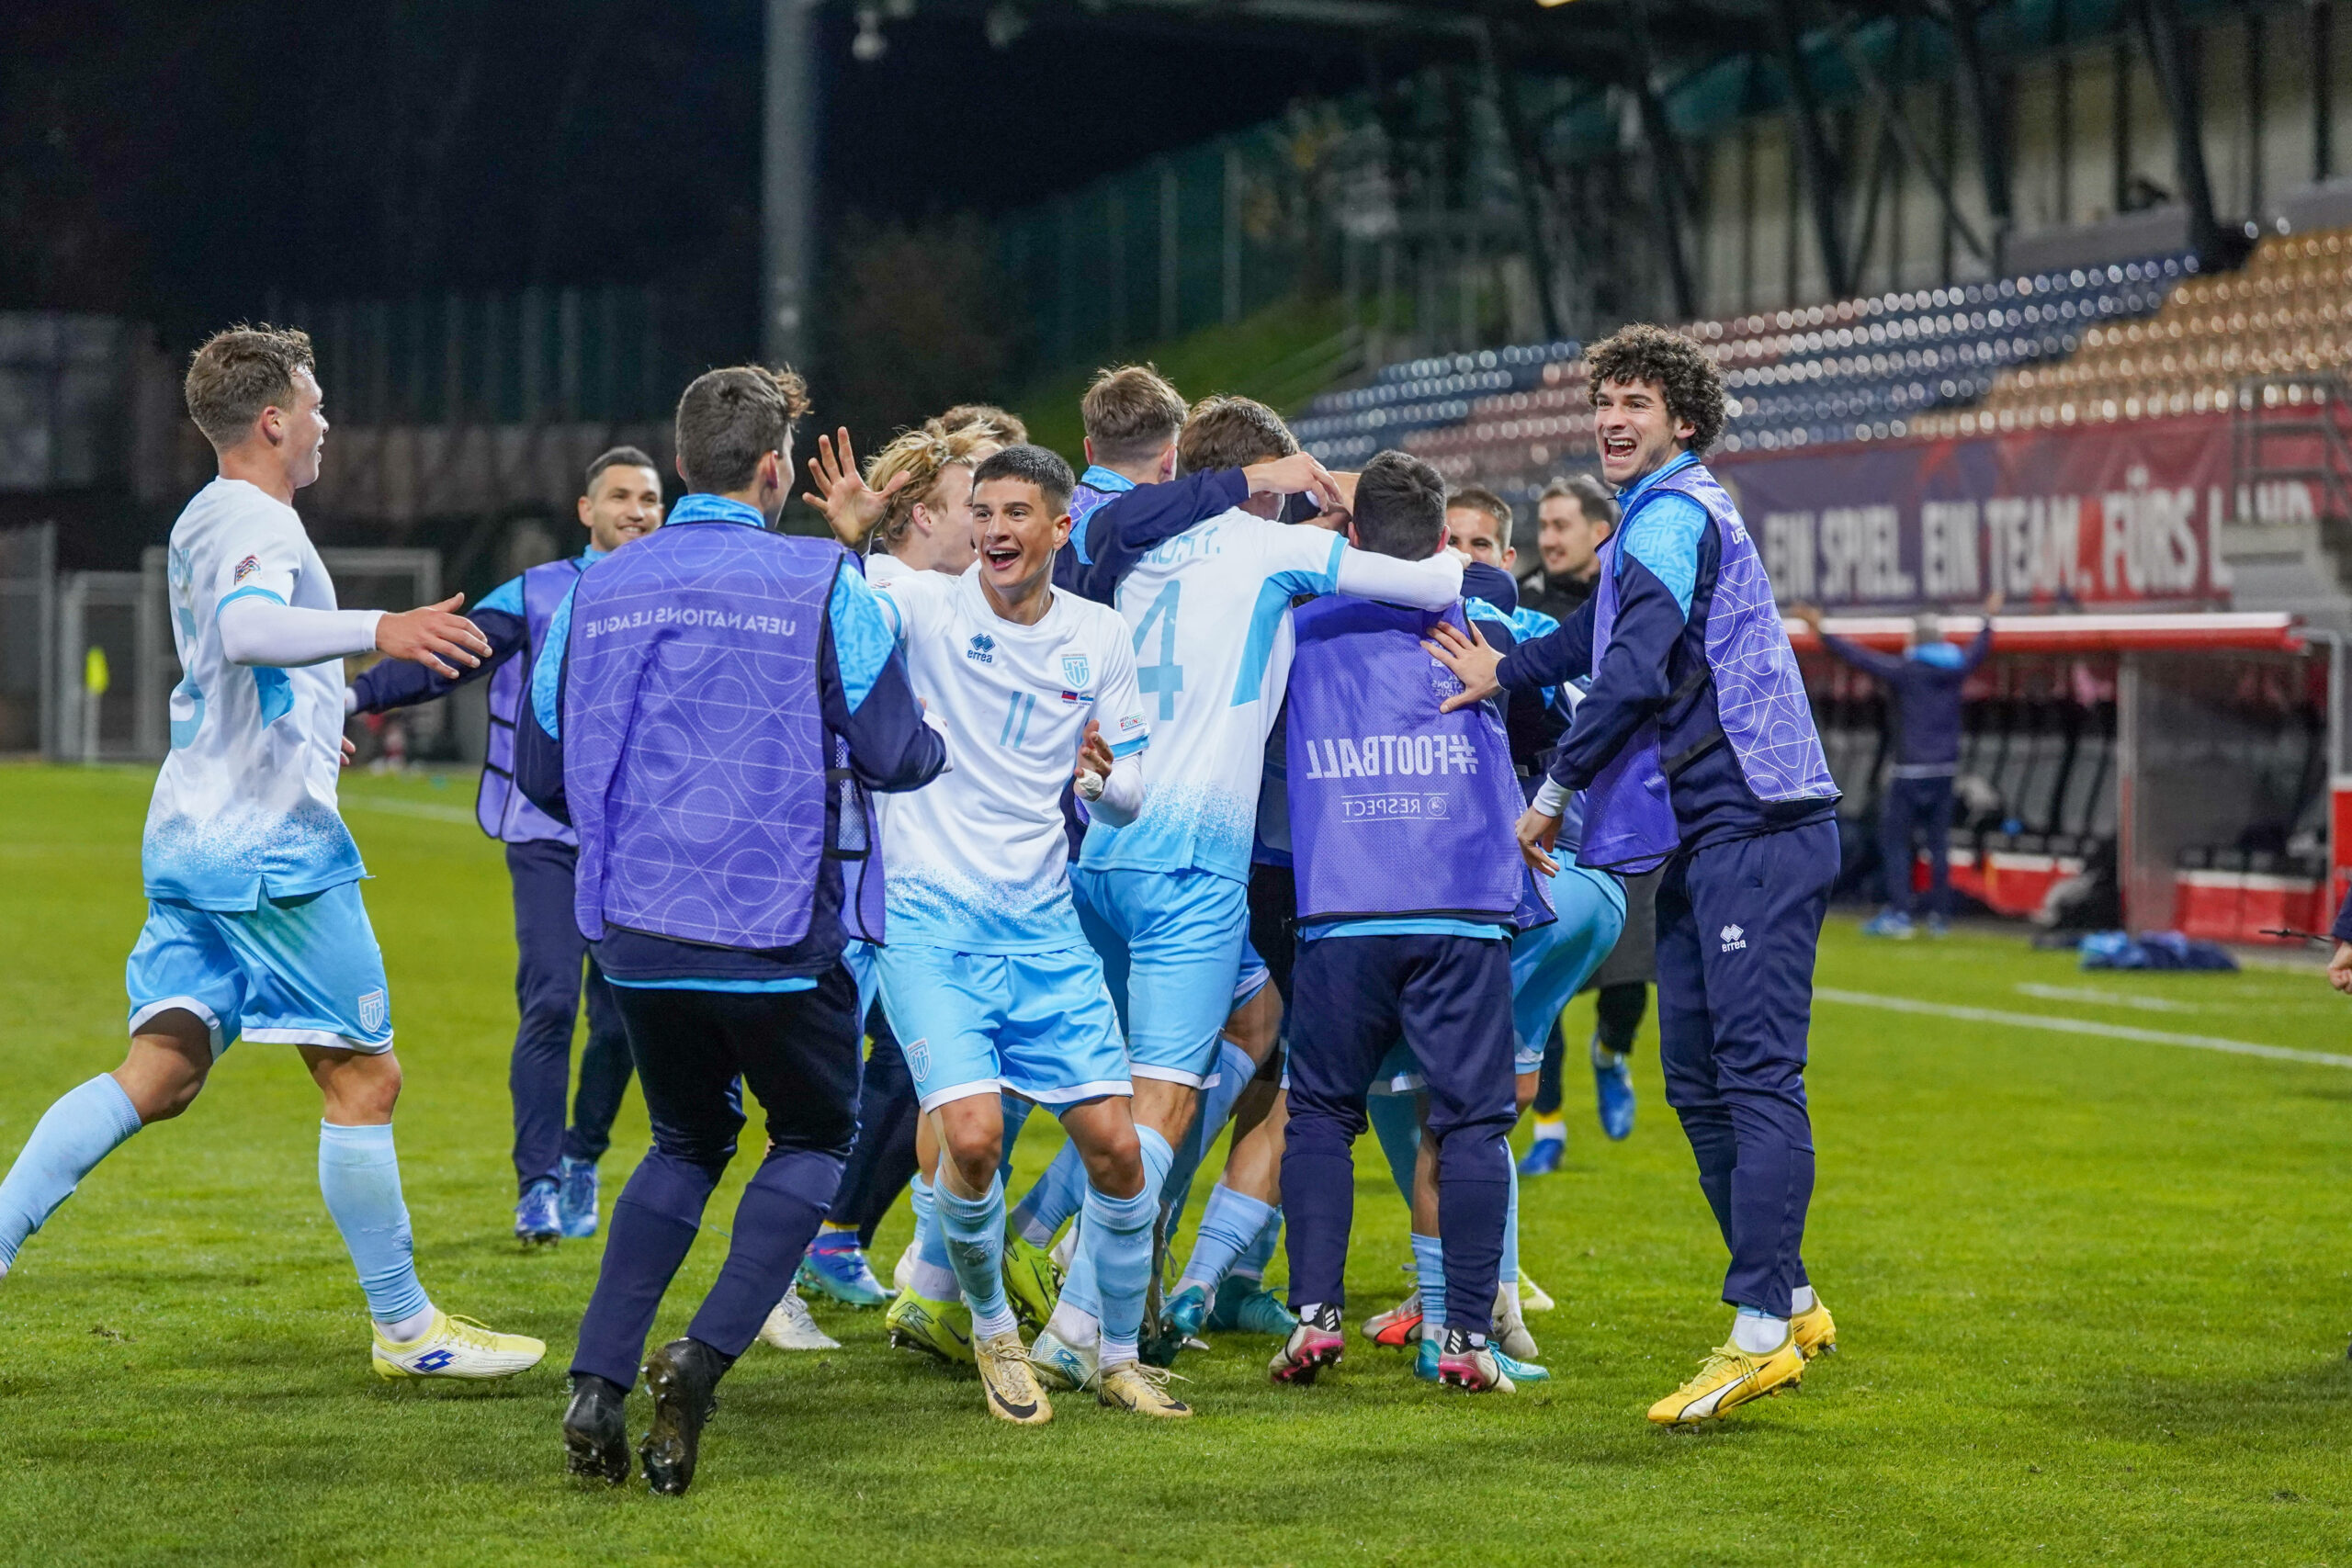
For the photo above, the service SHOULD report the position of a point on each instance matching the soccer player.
(555, 1167)
(988, 978)
(1924, 687)
(1165, 899)
(912, 511)
(1696, 750)
(254, 923)
(714, 833)
(1408, 892)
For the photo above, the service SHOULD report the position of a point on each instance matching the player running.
(254, 923)
(988, 978)
(555, 1167)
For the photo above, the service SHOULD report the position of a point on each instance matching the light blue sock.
(86, 1124)
(1509, 1276)
(934, 1272)
(1118, 1238)
(359, 1176)
(1252, 1264)
(974, 1229)
(1015, 1111)
(1428, 1266)
(1057, 1195)
(1230, 1221)
(1396, 1122)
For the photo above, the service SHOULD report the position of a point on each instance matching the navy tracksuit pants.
(695, 1053)
(549, 952)
(1449, 997)
(1920, 808)
(1738, 925)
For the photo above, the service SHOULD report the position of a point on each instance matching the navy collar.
(699, 506)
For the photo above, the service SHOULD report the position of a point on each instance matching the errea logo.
(983, 649)
(1733, 938)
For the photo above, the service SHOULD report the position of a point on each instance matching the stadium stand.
(1858, 369)
(2287, 311)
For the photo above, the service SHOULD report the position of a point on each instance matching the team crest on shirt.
(245, 569)
(983, 649)
(371, 1011)
(917, 1056)
(1074, 669)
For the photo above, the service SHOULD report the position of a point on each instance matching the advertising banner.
(2112, 516)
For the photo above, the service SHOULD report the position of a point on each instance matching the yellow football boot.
(1131, 1386)
(1033, 1281)
(1011, 1382)
(1814, 1330)
(456, 1348)
(1729, 1378)
(937, 1328)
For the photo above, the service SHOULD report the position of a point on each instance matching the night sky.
(176, 163)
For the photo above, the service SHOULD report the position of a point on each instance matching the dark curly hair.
(1694, 392)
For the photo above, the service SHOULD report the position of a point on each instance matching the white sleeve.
(258, 630)
(1551, 799)
(1430, 585)
(1118, 699)
(1121, 801)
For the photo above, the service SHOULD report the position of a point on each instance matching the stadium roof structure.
(1566, 70)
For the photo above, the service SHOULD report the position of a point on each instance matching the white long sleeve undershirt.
(1430, 584)
(1122, 799)
(255, 630)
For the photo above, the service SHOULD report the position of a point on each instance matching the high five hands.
(851, 506)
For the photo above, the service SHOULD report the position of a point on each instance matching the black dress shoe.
(595, 1429)
(683, 1378)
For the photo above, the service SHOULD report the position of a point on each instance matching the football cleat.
(1062, 1367)
(1010, 1382)
(537, 1222)
(1814, 1330)
(1396, 1328)
(789, 1326)
(1510, 1329)
(575, 1198)
(1245, 1306)
(1728, 1379)
(456, 1348)
(1888, 923)
(1180, 1320)
(1307, 1352)
(842, 1273)
(1425, 1353)
(1473, 1369)
(1033, 1281)
(1543, 1156)
(1612, 1087)
(683, 1379)
(1530, 1294)
(595, 1430)
(937, 1328)
(1141, 1390)
(1520, 1371)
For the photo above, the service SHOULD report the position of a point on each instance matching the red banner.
(2112, 514)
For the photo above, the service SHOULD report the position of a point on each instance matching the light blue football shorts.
(1171, 945)
(1040, 1024)
(301, 971)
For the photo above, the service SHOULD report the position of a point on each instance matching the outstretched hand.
(852, 507)
(1297, 474)
(1473, 662)
(2339, 968)
(1810, 614)
(424, 636)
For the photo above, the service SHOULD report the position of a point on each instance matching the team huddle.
(1204, 789)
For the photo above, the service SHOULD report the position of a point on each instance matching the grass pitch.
(2092, 1291)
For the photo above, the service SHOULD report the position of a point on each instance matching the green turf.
(2092, 1296)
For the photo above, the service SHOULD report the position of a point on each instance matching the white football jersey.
(245, 804)
(977, 859)
(1207, 614)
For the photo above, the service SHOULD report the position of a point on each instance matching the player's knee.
(1115, 1165)
(976, 1153)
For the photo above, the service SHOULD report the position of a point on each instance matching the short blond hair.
(1130, 413)
(923, 456)
(238, 373)
(1001, 425)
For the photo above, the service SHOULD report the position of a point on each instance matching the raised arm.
(866, 696)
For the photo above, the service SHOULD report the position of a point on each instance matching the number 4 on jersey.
(1166, 678)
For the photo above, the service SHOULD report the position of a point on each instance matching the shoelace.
(1158, 1377)
(473, 1331)
(1723, 1357)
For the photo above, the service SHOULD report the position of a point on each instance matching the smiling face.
(1634, 432)
(943, 522)
(1567, 536)
(1017, 529)
(1474, 530)
(301, 430)
(625, 504)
